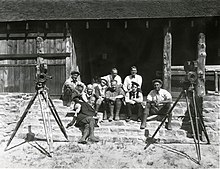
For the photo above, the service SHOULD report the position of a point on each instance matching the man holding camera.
(158, 103)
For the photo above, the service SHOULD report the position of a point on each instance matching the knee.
(118, 101)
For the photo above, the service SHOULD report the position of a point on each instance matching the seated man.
(133, 100)
(114, 95)
(158, 103)
(100, 91)
(133, 77)
(88, 92)
(86, 120)
(113, 76)
(69, 87)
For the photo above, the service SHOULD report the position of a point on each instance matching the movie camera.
(41, 74)
(190, 68)
(43, 96)
(195, 116)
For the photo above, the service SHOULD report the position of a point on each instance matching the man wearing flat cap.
(158, 103)
(133, 100)
(69, 87)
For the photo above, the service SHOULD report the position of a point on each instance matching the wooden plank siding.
(19, 75)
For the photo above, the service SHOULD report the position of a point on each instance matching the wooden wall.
(19, 75)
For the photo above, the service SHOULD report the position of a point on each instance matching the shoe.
(117, 118)
(138, 120)
(169, 128)
(94, 139)
(128, 119)
(82, 141)
(110, 118)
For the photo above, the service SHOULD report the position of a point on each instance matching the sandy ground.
(108, 155)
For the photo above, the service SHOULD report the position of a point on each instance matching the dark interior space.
(104, 48)
(101, 45)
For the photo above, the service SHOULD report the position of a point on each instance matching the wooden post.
(216, 82)
(200, 85)
(167, 62)
(40, 50)
(70, 61)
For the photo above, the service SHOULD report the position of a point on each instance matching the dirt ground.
(108, 155)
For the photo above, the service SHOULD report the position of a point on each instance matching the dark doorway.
(103, 48)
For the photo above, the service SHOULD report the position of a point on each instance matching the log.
(167, 62)
(200, 85)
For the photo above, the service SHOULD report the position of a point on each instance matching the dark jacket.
(86, 110)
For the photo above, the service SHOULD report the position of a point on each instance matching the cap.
(75, 72)
(135, 83)
(157, 80)
(89, 87)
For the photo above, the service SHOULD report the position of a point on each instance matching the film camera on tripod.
(193, 108)
(41, 74)
(43, 96)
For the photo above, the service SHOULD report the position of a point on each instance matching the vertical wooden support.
(216, 82)
(70, 61)
(40, 50)
(200, 85)
(167, 62)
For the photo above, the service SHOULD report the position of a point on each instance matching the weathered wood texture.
(200, 86)
(19, 75)
(167, 61)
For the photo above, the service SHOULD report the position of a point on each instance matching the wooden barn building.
(94, 36)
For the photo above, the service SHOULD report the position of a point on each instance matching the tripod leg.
(47, 125)
(22, 118)
(56, 117)
(191, 121)
(201, 122)
(197, 125)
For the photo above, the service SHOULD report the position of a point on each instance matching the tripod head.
(41, 74)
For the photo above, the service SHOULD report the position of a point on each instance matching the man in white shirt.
(113, 76)
(69, 87)
(133, 100)
(158, 103)
(133, 77)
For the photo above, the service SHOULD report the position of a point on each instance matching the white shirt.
(109, 78)
(162, 95)
(129, 79)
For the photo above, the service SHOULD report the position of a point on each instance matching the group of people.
(108, 96)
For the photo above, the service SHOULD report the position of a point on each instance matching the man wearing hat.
(100, 90)
(133, 100)
(69, 87)
(158, 103)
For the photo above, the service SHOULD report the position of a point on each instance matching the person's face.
(134, 88)
(89, 91)
(91, 100)
(114, 72)
(133, 71)
(74, 76)
(157, 86)
(114, 85)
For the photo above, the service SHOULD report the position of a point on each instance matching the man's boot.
(85, 134)
(169, 122)
(143, 121)
(144, 118)
(118, 108)
(111, 108)
(91, 131)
